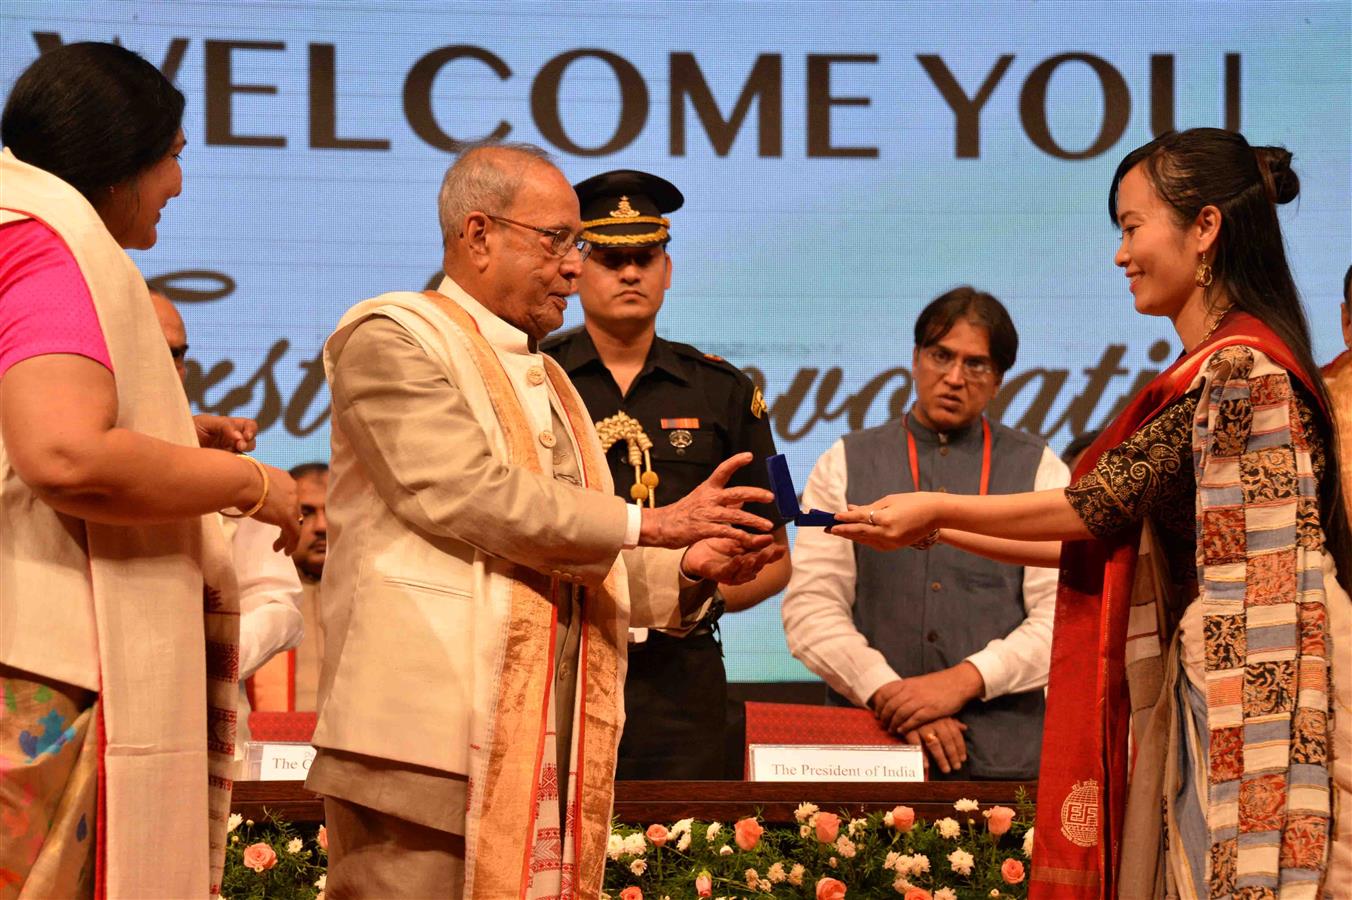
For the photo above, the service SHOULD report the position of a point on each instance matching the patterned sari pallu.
(1230, 791)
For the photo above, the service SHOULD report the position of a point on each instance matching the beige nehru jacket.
(425, 435)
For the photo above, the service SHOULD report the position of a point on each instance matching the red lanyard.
(985, 455)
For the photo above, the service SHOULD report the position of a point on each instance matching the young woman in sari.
(1197, 739)
(118, 613)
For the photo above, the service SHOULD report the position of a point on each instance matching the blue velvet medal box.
(786, 498)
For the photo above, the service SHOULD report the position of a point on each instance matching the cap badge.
(624, 210)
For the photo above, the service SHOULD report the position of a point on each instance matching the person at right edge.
(1199, 610)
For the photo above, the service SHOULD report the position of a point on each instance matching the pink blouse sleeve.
(45, 306)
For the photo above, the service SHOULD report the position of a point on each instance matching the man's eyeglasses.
(974, 368)
(560, 240)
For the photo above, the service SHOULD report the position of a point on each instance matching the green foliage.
(297, 865)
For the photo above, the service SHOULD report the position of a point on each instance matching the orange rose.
(998, 819)
(903, 818)
(830, 888)
(749, 832)
(1011, 870)
(657, 833)
(259, 857)
(633, 892)
(915, 893)
(828, 826)
(704, 884)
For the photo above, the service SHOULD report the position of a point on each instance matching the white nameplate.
(284, 762)
(802, 762)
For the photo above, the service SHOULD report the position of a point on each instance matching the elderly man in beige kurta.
(481, 574)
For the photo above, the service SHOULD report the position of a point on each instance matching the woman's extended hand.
(282, 508)
(892, 522)
(225, 433)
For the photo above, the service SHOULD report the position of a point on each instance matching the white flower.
(856, 826)
(948, 828)
(1028, 844)
(920, 864)
(615, 846)
(845, 846)
(752, 878)
(725, 850)
(995, 892)
(804, 811)
(636, 844)
(233, 822)
(638, 866)
(714, 829)
(945, 894)
(249, 822)
(322, 881)
(294, 845)
(681, 827)
(805, 830)
(833, 862)
(961, 862)
(684, 843)
(796, 874)
(776, 873)
(901, 885)
(887, 819)
(965, 805)
(893, 857)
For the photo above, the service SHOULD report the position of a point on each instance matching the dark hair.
(977, 307)
(94, 115)
(1203, 167)
(309, 470)
(1347, 282)
(1078, 445)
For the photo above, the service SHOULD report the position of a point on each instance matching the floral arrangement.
(974, 853)
(273, 862)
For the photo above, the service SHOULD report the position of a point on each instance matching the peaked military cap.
(624, 208)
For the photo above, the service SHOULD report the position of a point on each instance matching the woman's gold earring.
(1204, 273)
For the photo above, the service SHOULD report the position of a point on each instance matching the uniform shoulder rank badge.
(758, 406)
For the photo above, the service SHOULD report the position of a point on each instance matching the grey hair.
(479, 180)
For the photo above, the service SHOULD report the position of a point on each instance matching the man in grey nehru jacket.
(948, 649)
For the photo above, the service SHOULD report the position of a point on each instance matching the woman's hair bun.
(1281, 181)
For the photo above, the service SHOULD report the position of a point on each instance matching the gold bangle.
(262, 498)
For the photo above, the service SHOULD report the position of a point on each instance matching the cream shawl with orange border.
(511, 827)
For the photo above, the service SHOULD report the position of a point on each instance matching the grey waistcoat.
(926, 611)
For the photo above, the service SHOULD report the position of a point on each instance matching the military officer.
(666, 414)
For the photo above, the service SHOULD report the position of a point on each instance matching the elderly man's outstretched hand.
(726, 562)
(712, 510)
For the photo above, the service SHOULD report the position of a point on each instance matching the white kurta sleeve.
(1019, 661)
(269, 596)
(818, 606)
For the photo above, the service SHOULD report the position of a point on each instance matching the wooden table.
(667, 801)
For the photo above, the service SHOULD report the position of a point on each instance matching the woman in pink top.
(102, 492)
